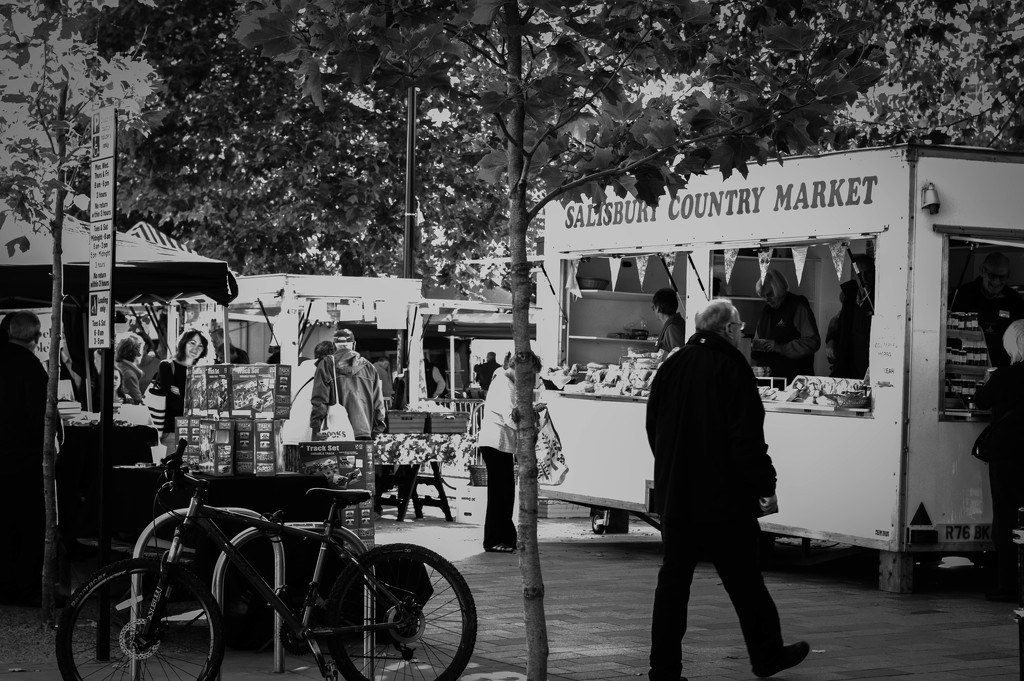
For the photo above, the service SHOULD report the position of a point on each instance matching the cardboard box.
(261, 391)
(449, 422)
(266, 448)
(346, 465)
(471, 506)
(188, 427)
(216, 438)
(252, 391)
(195, 391)
(407, 422)
(244, 446)
(218, 390)
(282, 391)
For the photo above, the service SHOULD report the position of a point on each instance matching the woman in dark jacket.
(172, 374)
(127, 354)
(1003, 393)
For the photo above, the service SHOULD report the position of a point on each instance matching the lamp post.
(408, 264)
(409, 269)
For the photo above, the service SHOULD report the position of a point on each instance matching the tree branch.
(617, 171)
(588, 99)
(1016, 107)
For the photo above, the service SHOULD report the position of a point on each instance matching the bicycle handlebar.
(175, 473)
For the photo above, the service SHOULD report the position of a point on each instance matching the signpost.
(101, 217)
(102, 247)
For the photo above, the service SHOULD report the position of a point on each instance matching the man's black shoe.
(789, 656)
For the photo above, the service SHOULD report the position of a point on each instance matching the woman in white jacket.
(497, 443)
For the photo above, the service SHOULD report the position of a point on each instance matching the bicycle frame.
(203, 518)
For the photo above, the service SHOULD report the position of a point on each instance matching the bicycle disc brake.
(409, 623)
(130, 641)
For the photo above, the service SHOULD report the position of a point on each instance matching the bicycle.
(395, 611)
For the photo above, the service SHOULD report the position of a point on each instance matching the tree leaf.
(485, 10)
(661, 134)
(798, 38)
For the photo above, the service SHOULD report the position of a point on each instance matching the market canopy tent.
(144, 271)
(464, 323)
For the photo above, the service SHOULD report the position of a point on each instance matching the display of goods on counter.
(233, 446)
(245, 390)
(841, 393)
(631, 377)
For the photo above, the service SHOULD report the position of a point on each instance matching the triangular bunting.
(641, 267)
(838, 251)
(573, 286)
(670, 261)
(764, 259)
(799, 258)
(614, 264)
(730, 262)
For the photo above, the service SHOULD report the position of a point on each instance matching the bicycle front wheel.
(426, 618)
(113, 629)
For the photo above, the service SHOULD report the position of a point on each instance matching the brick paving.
(599, 591)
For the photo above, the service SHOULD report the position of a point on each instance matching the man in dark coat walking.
(712, 479)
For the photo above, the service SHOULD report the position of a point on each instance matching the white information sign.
(104, 122)
(100, 335)
(101, 206)
(101, 233)
(101, 243)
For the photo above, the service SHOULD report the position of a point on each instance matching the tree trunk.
(529, 555)
(49, 490)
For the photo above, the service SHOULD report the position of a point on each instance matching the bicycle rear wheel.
(186, 640)
(433, 626)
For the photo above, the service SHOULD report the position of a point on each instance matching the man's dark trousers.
(731, 545)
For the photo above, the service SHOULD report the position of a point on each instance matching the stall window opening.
(985, 284)
(809, 316)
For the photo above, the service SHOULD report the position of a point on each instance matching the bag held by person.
(337, 425)
(983, 449)
(156, 401)
(985, 446)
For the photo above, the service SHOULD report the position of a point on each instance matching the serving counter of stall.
(872, 447)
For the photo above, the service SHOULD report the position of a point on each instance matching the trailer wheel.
(609, 520)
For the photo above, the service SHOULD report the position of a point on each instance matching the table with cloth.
(400, 459)
(78, 470)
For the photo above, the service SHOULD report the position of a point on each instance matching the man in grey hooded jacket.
(358, 387)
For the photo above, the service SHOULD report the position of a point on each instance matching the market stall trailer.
(890, 467)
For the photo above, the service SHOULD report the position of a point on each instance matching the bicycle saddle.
(345, 497)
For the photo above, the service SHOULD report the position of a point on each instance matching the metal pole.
(410, 183)
(1018, 539)
(408, 266)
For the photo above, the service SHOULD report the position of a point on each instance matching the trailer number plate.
(965, 532)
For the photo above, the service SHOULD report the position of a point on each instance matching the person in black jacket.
(171, 377)
(22, 413)
(712, 479)
(1003, 393)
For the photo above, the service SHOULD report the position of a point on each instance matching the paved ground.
(599, 591)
